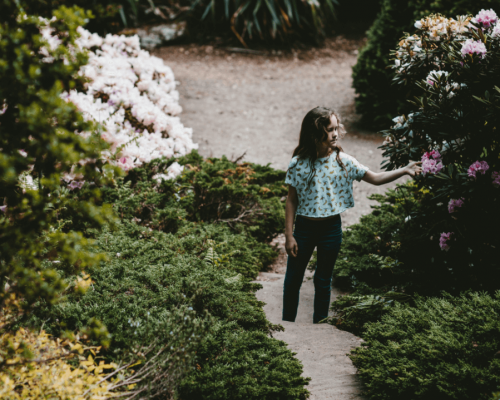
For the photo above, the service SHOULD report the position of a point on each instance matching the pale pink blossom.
(444, 239)
(478, 166)
(3, 209)
(454, 205)
(471, 47)
(496, 31)
(431, 162)
(486, 18)
(496, 178)
(434, 154)
(126, 163)
(76, 185)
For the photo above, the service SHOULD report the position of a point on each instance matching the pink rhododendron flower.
(471, 47)
(478, 166)
(454, 205)
(76, 185)
(496, 31)
(126, 163)
(431, 162)
(444, 239)
(434, 154)
(496, 178)
(486, 18)
(431, 167)
(3, 208)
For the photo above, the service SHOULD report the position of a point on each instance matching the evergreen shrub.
(378, 99)
(371, 249)
(245, 197)
(38, 147)
(446, 238)
(453, 129)
(440, 348)
(105, 16)
(183, 244)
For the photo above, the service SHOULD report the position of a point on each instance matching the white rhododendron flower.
(437, 26)
(132, 95)
(173, 171)
(435, 76)
(399, 121)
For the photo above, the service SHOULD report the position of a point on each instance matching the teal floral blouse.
(330, 191)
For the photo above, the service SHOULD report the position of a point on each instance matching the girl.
(320, 180)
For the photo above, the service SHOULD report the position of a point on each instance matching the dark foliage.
(37, 138)
(379, 100)
(440, 348)
(177, 248)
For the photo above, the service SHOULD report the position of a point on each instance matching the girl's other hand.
(414, 168)
(291, 246)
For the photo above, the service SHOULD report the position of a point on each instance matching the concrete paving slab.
(322, 348)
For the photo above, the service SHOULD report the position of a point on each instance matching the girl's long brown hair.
(312, 132)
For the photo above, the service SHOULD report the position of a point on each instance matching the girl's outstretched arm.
(379, 178)
(290, 209)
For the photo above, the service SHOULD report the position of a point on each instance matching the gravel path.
(253, 105)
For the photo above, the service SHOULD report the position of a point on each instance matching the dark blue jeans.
(326, 235)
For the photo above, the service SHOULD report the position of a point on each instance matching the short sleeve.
(356, 169)
(291, 177)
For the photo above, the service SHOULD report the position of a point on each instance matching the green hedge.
(371, 250)
(377, 99)
(183, 245)
(442, 348)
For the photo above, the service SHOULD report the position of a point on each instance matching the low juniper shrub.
(439, 348)
(183, 248)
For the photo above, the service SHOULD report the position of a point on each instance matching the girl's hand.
(291, 246)
(414, 168)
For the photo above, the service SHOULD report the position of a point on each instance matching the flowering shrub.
(453, 129)
(378, 98)
(132, 95)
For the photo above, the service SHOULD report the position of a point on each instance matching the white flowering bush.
(132, 95)
(453, 130)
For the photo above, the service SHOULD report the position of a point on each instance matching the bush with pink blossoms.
(132, 95)
(453, 128)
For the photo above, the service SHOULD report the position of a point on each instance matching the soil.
(252, 105)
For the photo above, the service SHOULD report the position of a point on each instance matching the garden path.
(254, 103)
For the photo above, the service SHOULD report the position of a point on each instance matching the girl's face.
(330, 142)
